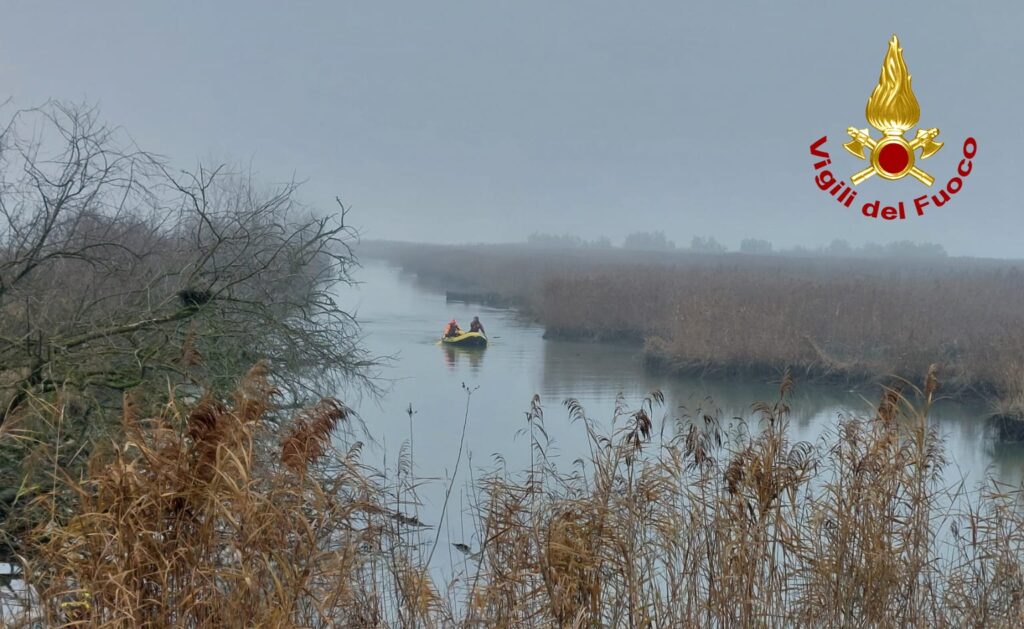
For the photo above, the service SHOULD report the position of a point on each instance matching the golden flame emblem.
(893, 109)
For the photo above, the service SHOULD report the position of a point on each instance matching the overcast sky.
(485, 121)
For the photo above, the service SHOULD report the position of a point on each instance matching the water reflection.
(1007, 462)
(596, 373)
(601, 371)
(454, 355)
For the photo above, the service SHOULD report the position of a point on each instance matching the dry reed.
(198, 519)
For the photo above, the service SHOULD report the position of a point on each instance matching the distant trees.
(905, 249)
(706, 245)
(837, 247)
(658, 241)
(562, 241)
(898, 249)
(648, 241)
(841, 247)
(538, 239)
(755, 246)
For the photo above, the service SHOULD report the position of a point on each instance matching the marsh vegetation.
(196, 517)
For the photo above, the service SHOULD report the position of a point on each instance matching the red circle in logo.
(893, 158)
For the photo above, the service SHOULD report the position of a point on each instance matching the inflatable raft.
(466, 339)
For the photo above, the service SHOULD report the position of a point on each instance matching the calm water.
(402, 319)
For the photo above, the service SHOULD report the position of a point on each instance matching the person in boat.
(452, 329)
(476, 326)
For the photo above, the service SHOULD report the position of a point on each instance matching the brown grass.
(708, 527)
(190, 521)
(193, 521)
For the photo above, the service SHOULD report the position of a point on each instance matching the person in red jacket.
(452, 329)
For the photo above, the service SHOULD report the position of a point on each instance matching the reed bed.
(723, 320)
(209, 515)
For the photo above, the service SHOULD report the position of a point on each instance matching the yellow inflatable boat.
(466, 339)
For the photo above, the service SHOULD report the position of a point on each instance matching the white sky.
(485, 121)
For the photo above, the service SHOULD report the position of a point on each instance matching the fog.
(459, 121)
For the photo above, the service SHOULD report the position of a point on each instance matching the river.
(403, 319)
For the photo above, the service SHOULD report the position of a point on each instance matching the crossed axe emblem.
(892, 157)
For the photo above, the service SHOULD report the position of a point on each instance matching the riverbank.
(838, 320)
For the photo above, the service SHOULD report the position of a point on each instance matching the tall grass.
(703, 526)
(199, 518)
(731, 320)
(196, 519)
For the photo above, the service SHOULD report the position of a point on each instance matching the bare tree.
(118, 272)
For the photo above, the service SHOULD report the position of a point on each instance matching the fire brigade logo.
(893, 110)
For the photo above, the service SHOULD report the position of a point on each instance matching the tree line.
(657, 241)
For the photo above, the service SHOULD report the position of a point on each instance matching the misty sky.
(485, 121)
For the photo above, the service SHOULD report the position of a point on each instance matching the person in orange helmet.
(452, 329)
